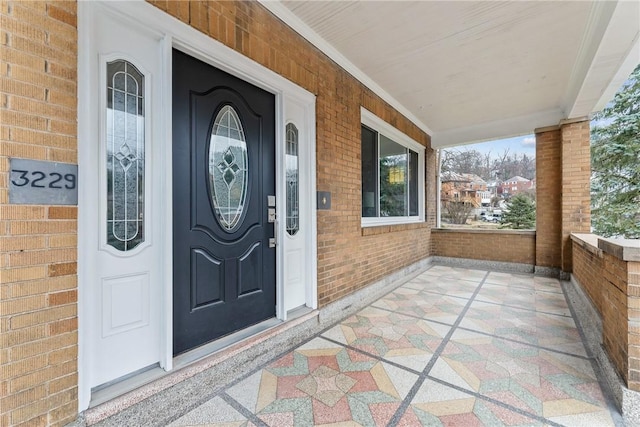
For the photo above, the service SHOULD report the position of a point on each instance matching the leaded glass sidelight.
(293, 215)
(228, 168)
(125, 155)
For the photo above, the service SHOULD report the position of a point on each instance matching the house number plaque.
(34, 182)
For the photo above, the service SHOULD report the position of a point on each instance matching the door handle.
(273, 241)
(271, 217)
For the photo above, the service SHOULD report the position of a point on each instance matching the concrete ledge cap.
(573, 120)
(589, 242)
(483, 231)
(562, 122)
(546, 129)
(624, 249)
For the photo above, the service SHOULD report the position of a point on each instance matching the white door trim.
(176, 34)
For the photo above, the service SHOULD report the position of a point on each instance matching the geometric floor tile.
(533, 327)
(427, 305)
(436, 404)
(540, 382)
(324, 383)
(401, 339)
(514, 281)
(515, 358)
(527, 298)
(457, 273)
(443, 285)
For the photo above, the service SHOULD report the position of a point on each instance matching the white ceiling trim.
(289, 18)
(618, 53)
(499, 129)
(625, 70)
(599, 19)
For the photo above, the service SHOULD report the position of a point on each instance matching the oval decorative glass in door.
(125, 155)
(228, 169)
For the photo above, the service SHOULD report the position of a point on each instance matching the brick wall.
(38, 320)
(501, 246)
(576, 185)
(348, 257)
(613, 285)
(548, 198)
(38, 323)
(588, 269)
(633, 304)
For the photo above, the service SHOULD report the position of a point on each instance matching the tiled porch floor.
(452, 347)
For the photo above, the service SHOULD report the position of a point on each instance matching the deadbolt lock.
(271, 215)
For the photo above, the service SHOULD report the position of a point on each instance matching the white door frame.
(173, 33)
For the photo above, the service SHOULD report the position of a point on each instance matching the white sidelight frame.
(172, 33)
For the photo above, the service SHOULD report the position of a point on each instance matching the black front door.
(223, 170)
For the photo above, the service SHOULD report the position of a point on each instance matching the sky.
(525, 144)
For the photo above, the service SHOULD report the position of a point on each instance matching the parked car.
(492, 217)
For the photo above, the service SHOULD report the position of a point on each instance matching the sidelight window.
(125, 155)
(293, 214)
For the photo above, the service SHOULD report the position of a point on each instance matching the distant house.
(465, 187)
(515, 185)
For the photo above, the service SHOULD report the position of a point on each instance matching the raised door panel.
(206, 279)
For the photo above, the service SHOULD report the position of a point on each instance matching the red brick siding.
(588, 269)
(502, 246)
(548, 198)
(613, 285)
(576, 185)
(38, 284)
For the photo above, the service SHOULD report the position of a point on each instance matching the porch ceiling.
(472, 71)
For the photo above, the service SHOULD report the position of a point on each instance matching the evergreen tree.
(615, 164)
(520, 213)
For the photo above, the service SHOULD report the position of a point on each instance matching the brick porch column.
(576, 184)
(563, 172)
(548, 198)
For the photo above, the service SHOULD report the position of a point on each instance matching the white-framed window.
(392, 174)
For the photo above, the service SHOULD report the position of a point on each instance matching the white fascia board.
(499, 129)
(610, 52)
(629, 64)
(299, 26)
(598, 21)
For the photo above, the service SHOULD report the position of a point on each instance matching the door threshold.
(114, 397)
(104, 393)
(205, 350)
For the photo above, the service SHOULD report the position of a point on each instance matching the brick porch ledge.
(606, 279)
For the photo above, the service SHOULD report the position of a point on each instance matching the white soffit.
(617, 53)
(466, 71)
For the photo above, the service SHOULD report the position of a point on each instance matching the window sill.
(484, 231)
(378, 221)
(372, 230)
